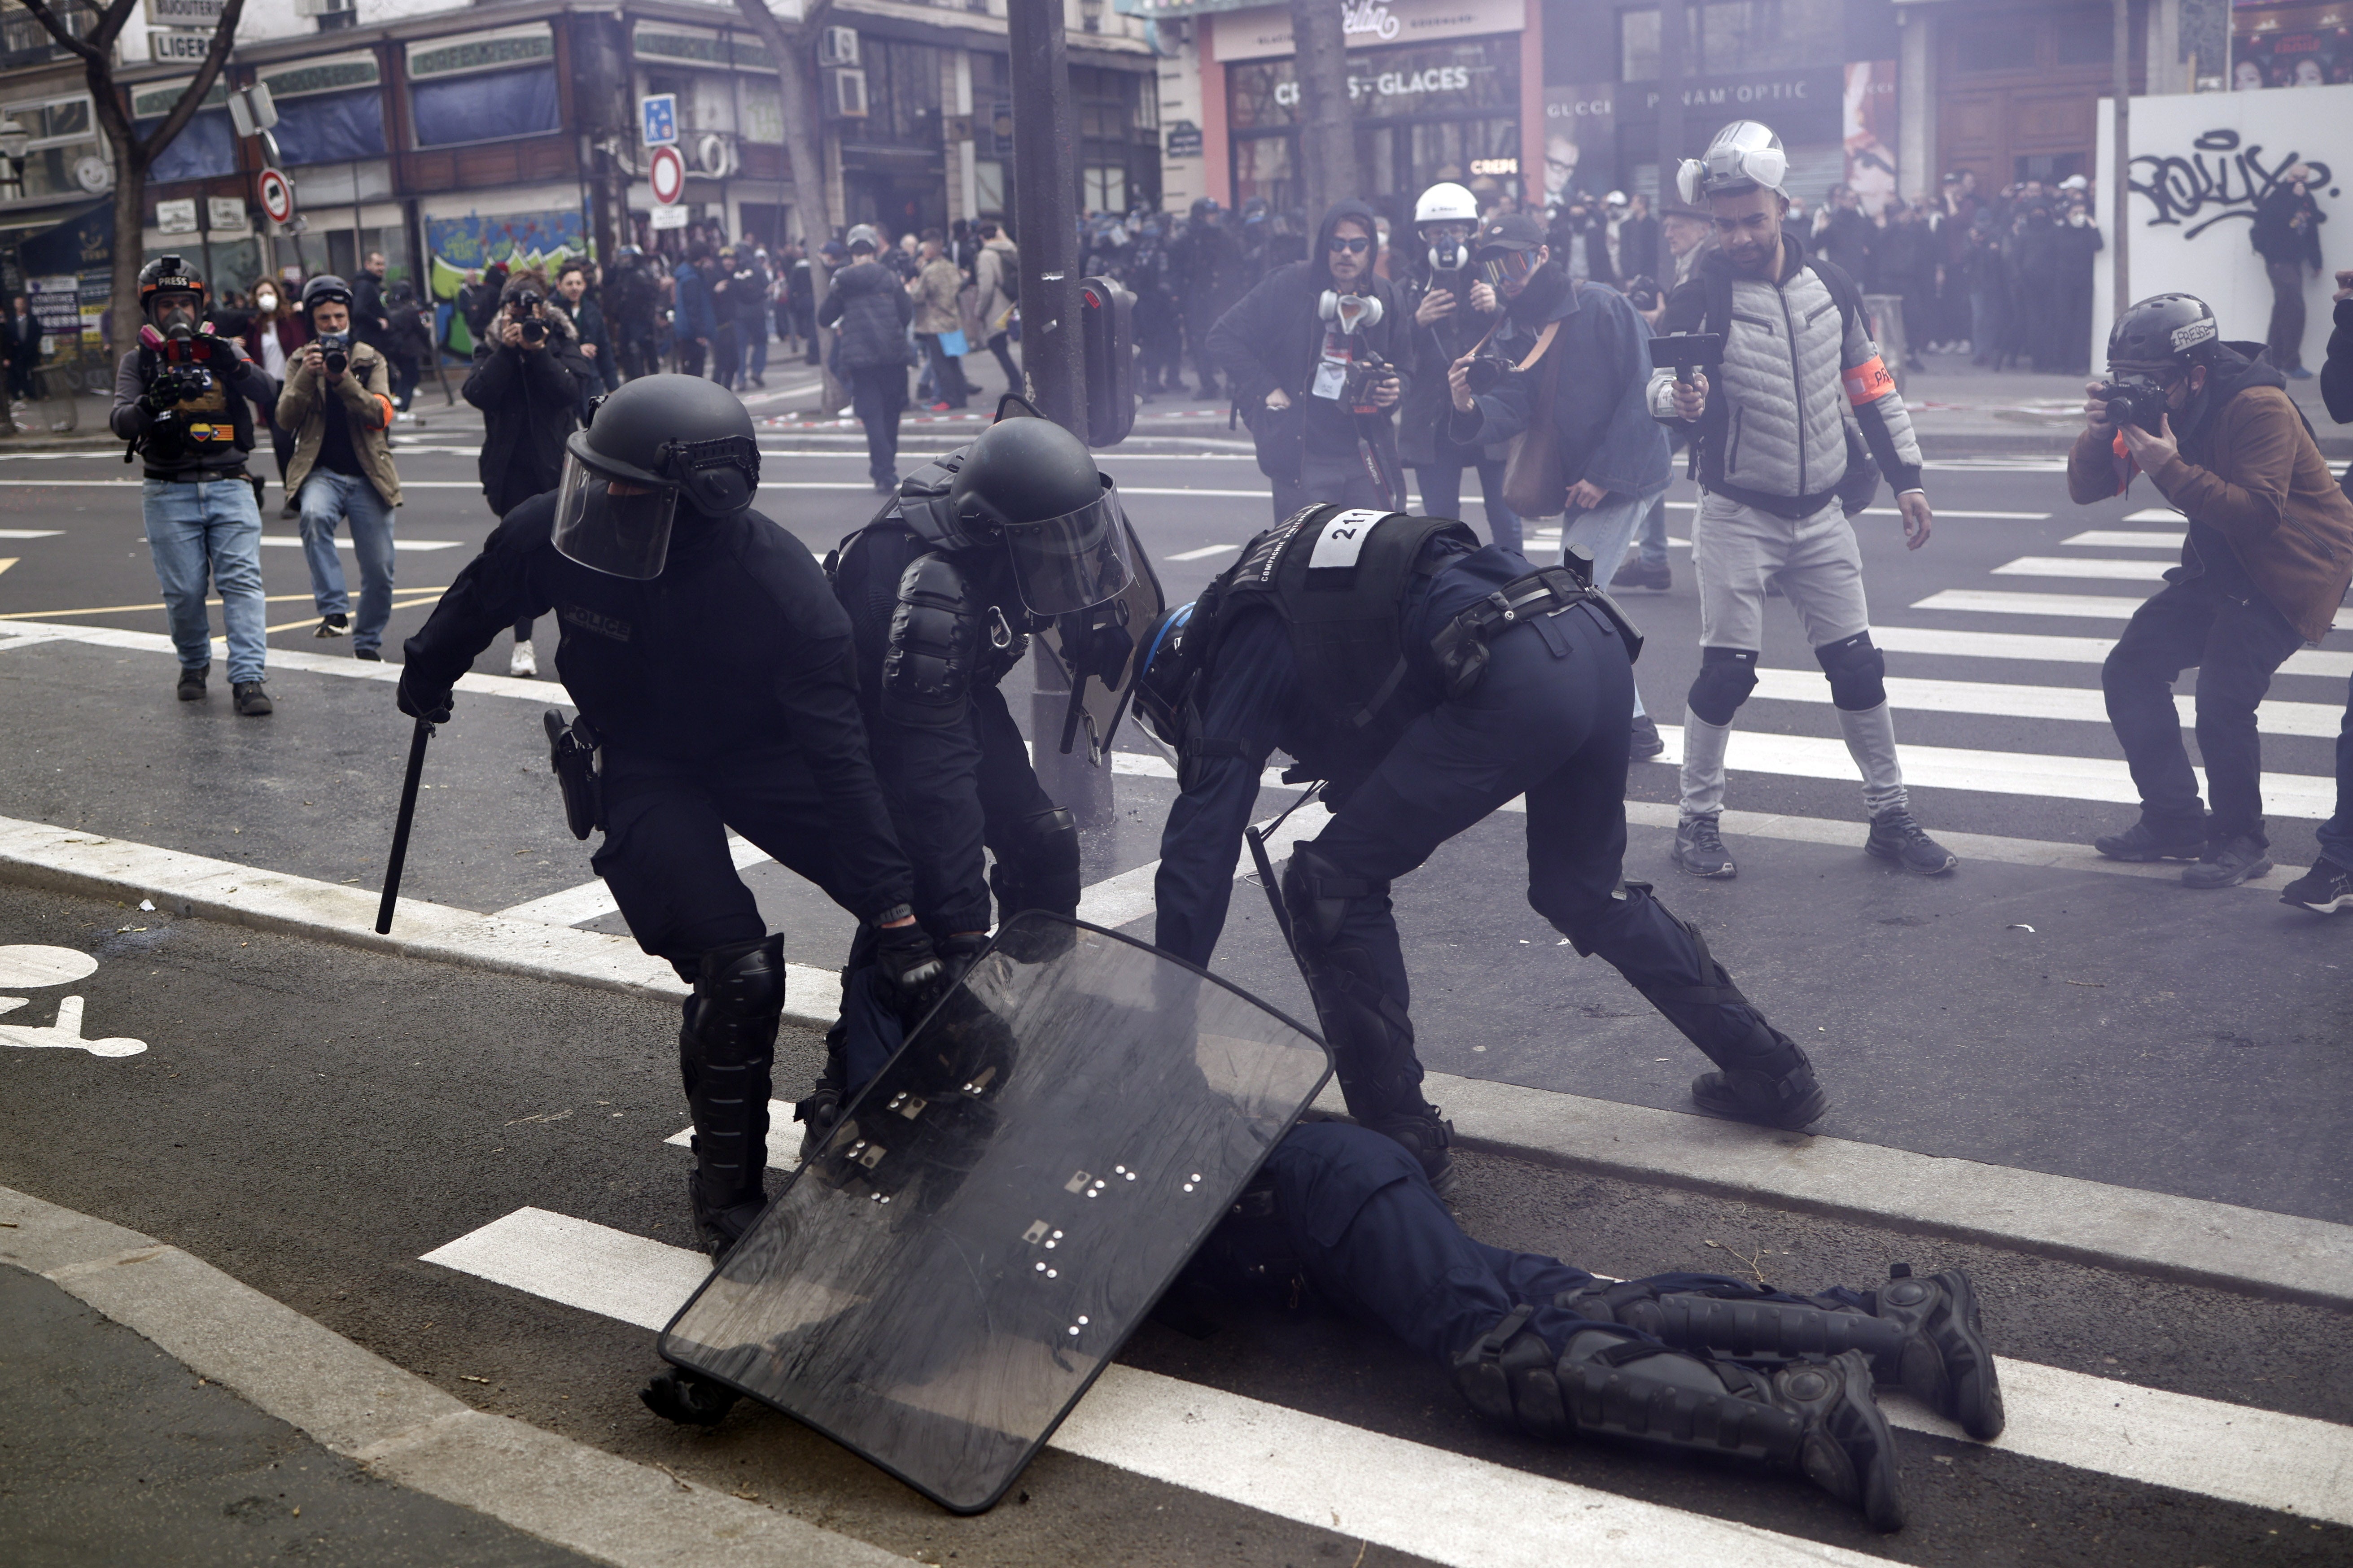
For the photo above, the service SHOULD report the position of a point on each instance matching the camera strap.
(1543, 342)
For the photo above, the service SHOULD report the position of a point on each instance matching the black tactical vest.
(1338, 577)
(214, 420)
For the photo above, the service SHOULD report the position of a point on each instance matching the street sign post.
(670, 217)
(226, 214)
(658, 115)
(204, 13)
(666, 172)
(275, 193)
(178, 47)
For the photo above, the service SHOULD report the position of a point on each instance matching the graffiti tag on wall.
(2220, 179)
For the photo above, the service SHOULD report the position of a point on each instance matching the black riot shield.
(1002, 1205)
(1097, 648)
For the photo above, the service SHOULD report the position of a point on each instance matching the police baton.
(1274, 897)
(423, 733)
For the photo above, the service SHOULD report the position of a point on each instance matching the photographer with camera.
(2268, 557)
(1798, 372)
(528, 380)
(1314, 354)
(1574, 352)
(1446, 219)
(184, 398)
(338, 404)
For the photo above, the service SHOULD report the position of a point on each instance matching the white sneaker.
(521, 661)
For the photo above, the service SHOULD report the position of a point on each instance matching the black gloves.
(419, 701)
(172, 384)
(911, 972)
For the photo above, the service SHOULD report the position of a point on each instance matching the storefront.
(1436, 87)
(2290, 45)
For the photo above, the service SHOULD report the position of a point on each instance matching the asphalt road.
(315, 1120)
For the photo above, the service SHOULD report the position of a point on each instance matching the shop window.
(903, 94)
(1984, 49)
(2086, 38)
(332, 128)
(205, 150)
(58, 136)
(1637, 46)
(1106, 188)
(494, 106)
(988, 185)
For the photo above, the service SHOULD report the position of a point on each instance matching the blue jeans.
(1441, 495)
(1606, 531)
(209, 528)
(2336, 835)
(755, 335)
(325, 498)
(1653, 535)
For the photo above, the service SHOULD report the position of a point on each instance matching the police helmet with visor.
(1034, 485)
(659, 443)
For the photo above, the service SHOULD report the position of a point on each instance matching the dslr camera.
(1363, 370)
(523, 309)
(179, 382)
(2135, 400)
(1643, 292)
(335, 350)
(1486, 372)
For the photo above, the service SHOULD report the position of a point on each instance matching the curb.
(353, 1402)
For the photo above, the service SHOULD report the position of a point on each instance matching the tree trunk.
(129, 196)
(1327, 130)
(796, 59)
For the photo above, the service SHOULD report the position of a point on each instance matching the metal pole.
(2120, 175)
(1046, 174)
(1674, 31)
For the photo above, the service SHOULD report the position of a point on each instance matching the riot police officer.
(1426, 681)
(1018, 533)
(716, 689)
(184, 398)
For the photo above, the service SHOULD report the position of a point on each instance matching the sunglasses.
(1353, 247)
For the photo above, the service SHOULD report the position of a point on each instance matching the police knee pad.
(739, 996)
(1726, 677)
(1857, 672)
(1317, 896)
(1037, 865)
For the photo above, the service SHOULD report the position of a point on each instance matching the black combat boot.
(724, 1052)
(1921, 1334)
(1815, 1416)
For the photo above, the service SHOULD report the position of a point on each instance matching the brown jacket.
(2253, 473)
(366, 392)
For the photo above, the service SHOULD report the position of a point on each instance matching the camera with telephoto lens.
(1486, 372)
(1365, 372)
(335, 351)
(178, 384)
(523, 309)
(2135, 400)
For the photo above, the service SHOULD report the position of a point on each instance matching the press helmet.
(1446, 201)
(2164, 329)
(326, 289)
(1034, 485)
(658, 443)
(1744, 156)
(168, 274)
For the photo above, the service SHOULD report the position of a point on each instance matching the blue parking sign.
(659, 117)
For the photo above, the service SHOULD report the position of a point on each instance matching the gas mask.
(1350, 313)
(177, 320)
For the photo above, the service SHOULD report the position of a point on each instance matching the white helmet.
(1446, 201)
(1745, 155)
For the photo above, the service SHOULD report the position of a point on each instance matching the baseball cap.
(1511, 231)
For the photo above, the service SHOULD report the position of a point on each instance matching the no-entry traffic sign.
(275, 193)
(666, 174)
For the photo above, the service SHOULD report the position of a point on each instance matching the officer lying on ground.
(713, 674)
(982, 548)
(1427, 682)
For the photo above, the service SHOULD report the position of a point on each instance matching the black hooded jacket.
(1275, 337)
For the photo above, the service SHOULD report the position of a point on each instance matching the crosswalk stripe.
(2157, 514)
(1203, 553)
(784, 1137)
(2121, 539)
(2080, 704)
(2017, 647)
(294, 540)
(2235, 1453)
(594, 900)
(2310, 796)
(2106, 568)
(2098, 607)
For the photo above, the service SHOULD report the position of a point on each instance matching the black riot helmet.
(1034, 485)
(2164, 329)
(658, 443)
(1161, 673)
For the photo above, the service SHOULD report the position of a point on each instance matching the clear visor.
(1071, 562)
(616, 526)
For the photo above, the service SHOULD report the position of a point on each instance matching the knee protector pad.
(1318, 896)
(1857, 673)
(739, 995)
(1037, 865)
(1726, 677)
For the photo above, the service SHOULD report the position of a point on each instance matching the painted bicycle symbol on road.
(29, 967)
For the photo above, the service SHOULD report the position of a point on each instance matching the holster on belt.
(1461, 649)
(572, 752)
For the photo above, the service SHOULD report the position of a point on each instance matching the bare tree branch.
(95, 55)
(224, 36)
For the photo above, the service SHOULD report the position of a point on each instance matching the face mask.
(178, 322)
(266, 302)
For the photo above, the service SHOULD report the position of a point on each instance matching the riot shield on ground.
(1002, 1205)
(1097, 650)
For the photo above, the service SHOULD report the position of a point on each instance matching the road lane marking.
(2107, 569)
(65, 1034)
(2157, 514)
(30, 533)
(2076, 704)
(2026, 647)
(8, 561)
(132, 484)
(1203, 553)
(784, 1143)
(295, 540)
(2123, 539)
(2099, 606)
(2235, 1453)
(595, 900)
(130, 609)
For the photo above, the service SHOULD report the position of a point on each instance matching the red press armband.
(1868, 382)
